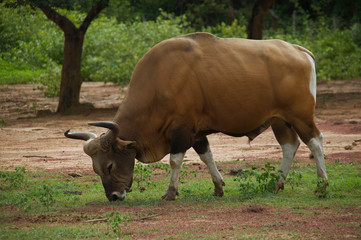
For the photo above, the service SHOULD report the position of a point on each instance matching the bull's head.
(113, 158)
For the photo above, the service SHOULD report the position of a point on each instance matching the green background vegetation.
(31, 46)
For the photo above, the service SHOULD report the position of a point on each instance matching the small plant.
(294, 179)
(2, 122)
(116, 223)
(163, 166)
(142, 175)
(321, 190)
(184, 173)
(268, 178)
(46, 196)
(252, 182)
(11, 180)
(247, 183)
(43, 196)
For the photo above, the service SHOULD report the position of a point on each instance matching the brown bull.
(190, 86)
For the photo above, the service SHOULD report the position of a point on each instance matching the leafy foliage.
(252, 182)
(321, 190)
(11, 180)
(113, 58)
(115, 223)
(142, 175)
(31, 48)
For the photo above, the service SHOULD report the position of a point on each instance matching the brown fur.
(205, 84)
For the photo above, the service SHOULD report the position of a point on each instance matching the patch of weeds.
(268, 178)
(252, 182)
(142, 175)
(294, 179)
(45, 195)
(13, 180)
(184, 173)
(116, 223)
(2, 122)
(163, 166)
(321, 189)
(247, 183)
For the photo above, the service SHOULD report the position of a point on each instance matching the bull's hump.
(200, 36)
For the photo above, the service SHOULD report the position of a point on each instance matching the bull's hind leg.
(312, 137)
(288, 139)
(202, 148)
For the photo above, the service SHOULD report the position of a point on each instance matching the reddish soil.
(33, 137)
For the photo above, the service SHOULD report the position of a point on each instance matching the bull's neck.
(134, 126)
(129, 127)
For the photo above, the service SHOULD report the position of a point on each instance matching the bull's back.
(221, 84)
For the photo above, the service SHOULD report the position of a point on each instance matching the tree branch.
(63, 22)
(94, 11)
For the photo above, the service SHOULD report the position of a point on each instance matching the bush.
(113, 58)
(112, 49)
(252, 182)
(337, 54)
(29, 38)
(235, 30)
(12, 180)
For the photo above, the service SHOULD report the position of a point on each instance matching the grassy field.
(43, 205)
(15, 74)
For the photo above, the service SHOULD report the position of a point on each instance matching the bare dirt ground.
(38, 143)
(32, 137)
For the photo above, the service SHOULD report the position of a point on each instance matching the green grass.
(51, 195)
(15, 74)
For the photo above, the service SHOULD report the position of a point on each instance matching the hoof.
(170, 194)
(218, 188)
(322, 185)
(279, 186)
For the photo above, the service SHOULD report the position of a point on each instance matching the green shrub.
(50, 79)
(252, 182)
(11, 180)
(33, 45)
(111, 49)
(43, 196)
(337, 54)
(142, 175)
(235, 30)
(116, 223)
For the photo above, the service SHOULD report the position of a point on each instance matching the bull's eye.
(110, 167)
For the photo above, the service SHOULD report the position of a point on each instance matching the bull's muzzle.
(115, 196)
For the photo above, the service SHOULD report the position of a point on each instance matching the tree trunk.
(71, 72)
(259, 11)
(274, 19)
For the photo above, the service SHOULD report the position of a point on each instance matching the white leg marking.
(289, 151)
(207, 158)
(175, 161)
(316, 147)
(312, 77)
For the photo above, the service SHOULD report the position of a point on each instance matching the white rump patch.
(312, 76)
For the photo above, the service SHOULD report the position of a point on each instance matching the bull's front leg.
(175, 163)
(202, 148)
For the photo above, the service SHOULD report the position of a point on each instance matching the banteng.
(190, 86)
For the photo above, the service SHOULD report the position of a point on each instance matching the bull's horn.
(80, 135)
(109, 138)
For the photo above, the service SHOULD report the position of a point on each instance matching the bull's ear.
(122, 144)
